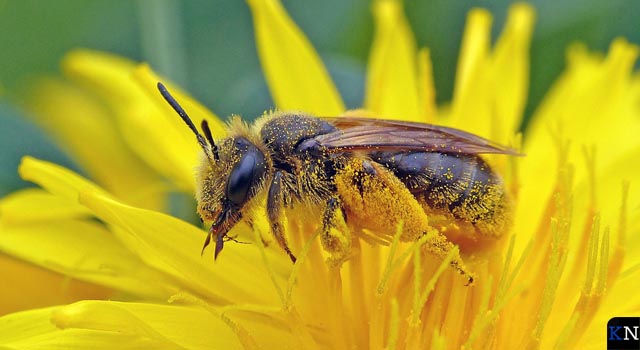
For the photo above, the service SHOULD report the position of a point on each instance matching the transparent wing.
(372, 135)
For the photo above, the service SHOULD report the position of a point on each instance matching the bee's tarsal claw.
(206, 243)
(219, 245)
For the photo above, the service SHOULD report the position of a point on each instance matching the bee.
(376, 173)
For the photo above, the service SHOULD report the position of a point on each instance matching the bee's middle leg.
(274, 209)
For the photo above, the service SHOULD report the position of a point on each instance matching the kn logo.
(622, 333)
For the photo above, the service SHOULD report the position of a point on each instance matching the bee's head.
(228, 183)
(231, 174)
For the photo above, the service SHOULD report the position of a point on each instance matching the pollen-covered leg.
(274, 208)
(378, 201)
(437, 244)
(335, 237)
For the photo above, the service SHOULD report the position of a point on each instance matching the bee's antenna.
(207, 133)
(176, 107)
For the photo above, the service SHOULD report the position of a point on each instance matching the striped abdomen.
(462, 185)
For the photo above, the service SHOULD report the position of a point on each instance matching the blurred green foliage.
(208, 48)
(18, 137)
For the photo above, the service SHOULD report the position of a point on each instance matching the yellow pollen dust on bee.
(361, 174)
(380, 202)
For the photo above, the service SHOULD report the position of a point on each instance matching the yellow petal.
(79, 339)
(148, 79)
(511, 71)
(426, 87)
(609, 192)
(33, 205)
(491, 87)
(176, 327)
(294, 72)
(83, 250)
(613, 306)
(161, 144)
(27, 286)
(56, 179)
(160, 138)
(163, 242)
(102, 73)
(392, 76)
(173, 246)
(23, 325)
(471, 111)
(86, 130)
(593, 104)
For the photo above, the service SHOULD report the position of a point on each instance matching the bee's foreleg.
(274, 208)
(207, 241)
(249, 222)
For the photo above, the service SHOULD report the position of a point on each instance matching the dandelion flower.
(552, 281)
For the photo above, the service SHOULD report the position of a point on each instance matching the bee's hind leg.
(337, 242)
(274, 208)
(375, 199)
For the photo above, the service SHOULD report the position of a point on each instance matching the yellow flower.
(570, 262)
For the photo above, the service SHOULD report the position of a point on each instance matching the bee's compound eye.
(244, 175)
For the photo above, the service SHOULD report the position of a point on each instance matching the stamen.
(592, 256)
(299, 328)
(336, 314)
(293, 277)
(428, 288)
(481, 320)
(492, 315)
(630, 272)
(554, 271)
(456, 311)
(245, 338)
(417, 277)
(358, 291)
(502, 283)
(516, 270)
(564, 337)
(604, 264)
(548, 256)
(617, 258)
(378, 314)
(394, 325)
(590, 295)
(386, 274)
(254, 308)
(267, 265)
(420, 295)
(581, 252)
(590, 160)
(376, 323)
(305, 339)
(438, 340)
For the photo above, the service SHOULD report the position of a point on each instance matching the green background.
(208, 48)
